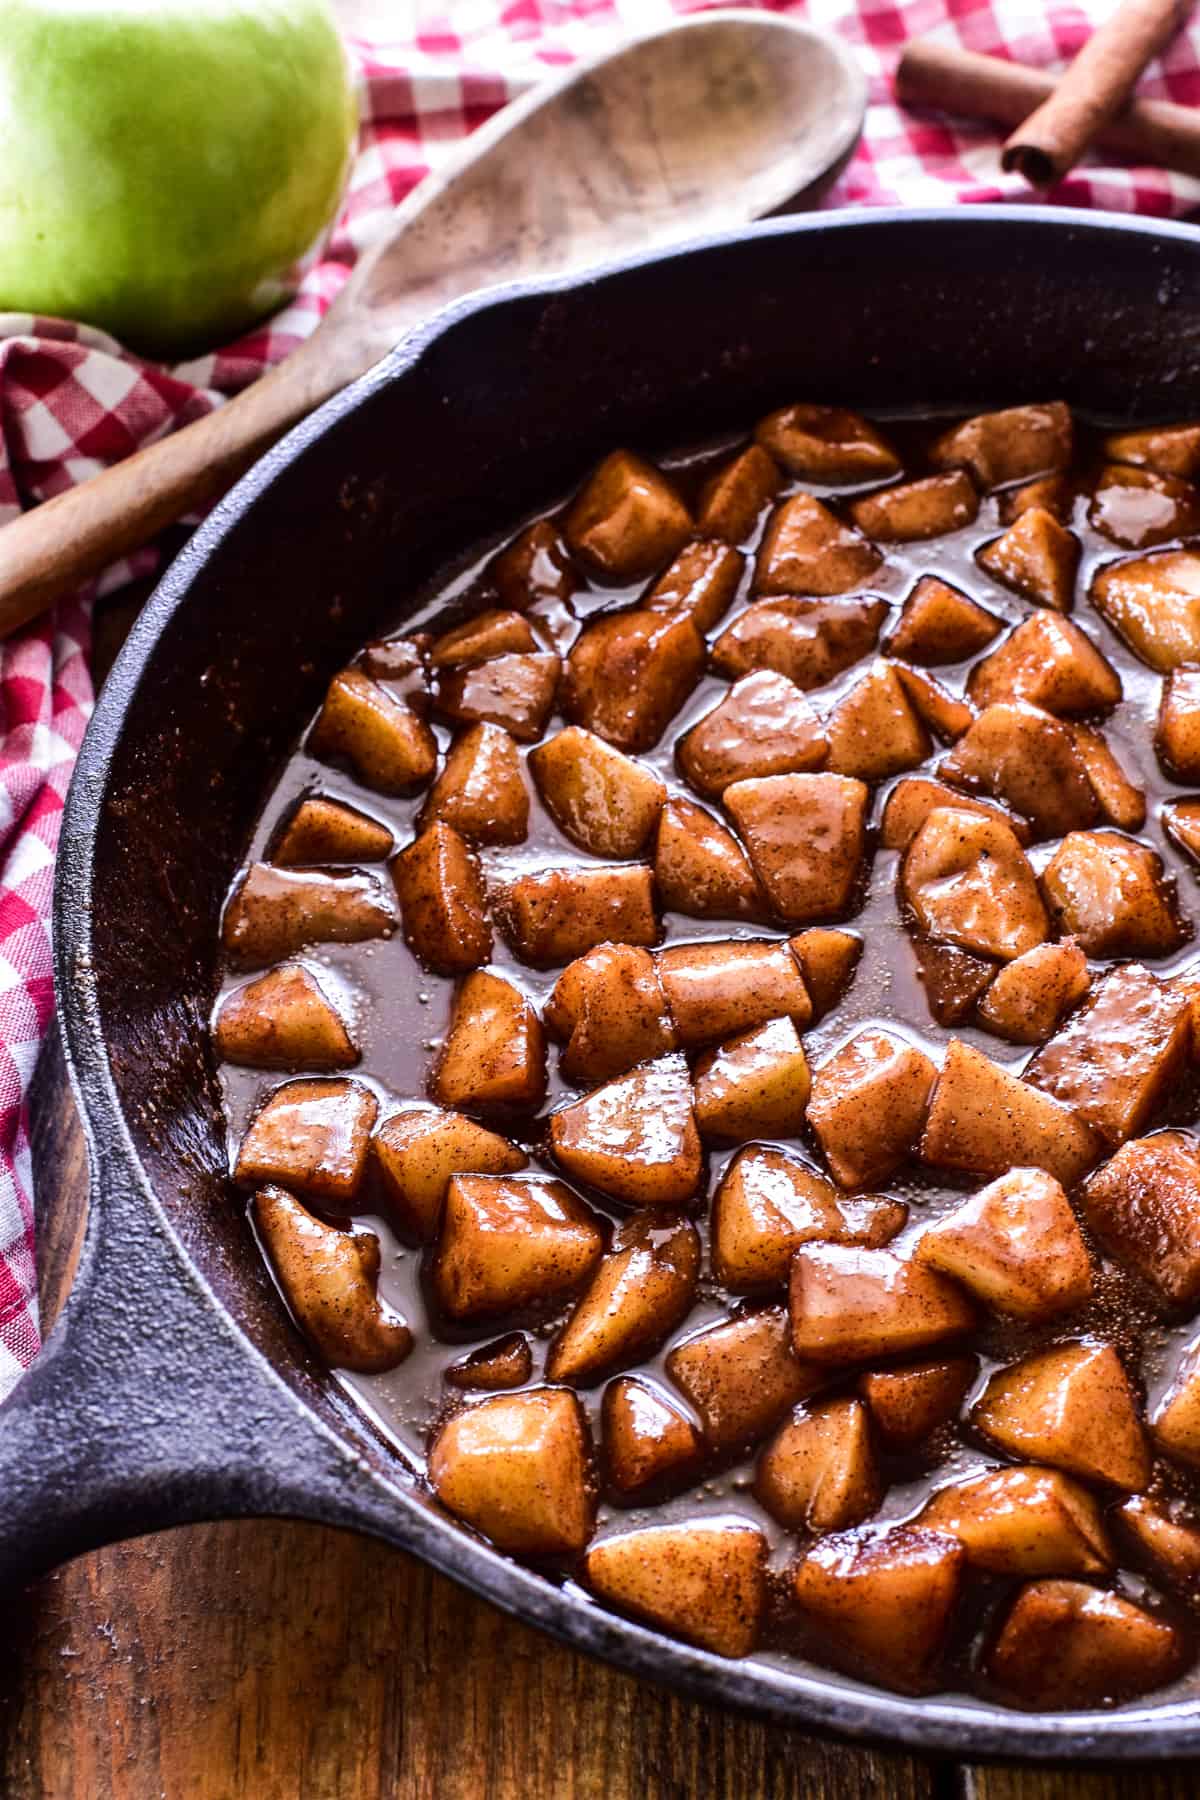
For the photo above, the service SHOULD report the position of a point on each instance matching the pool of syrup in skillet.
(401, 1012)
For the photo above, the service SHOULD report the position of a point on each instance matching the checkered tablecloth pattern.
(72, 400)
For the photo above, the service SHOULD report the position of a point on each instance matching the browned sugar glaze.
(796, 1240)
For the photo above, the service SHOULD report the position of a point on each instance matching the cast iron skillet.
(173, 1388)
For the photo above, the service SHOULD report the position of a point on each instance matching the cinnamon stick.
(943, 77)
(1093, 90)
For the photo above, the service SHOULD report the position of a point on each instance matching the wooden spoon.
(709, 122)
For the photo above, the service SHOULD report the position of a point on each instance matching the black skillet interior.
(175, 1389)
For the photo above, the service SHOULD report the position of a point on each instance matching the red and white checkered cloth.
(72, 400)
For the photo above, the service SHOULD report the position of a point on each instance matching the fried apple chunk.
(534, 570)
(1072, 1407)
(481, 792)
(806, 549)
(628, 520)
(874, 731)
(985, 1121)
(810, 641)
(516, 1468)
(514, 691)
(555, 915)
(1153, 602)
(1029, 996)
(507, 1363)
(908, 1404)
(1028, 759)
(1012, 445)
(850, 1305)
(763, 726)
(700, 869)
(953, 979)
(401, 662)
(634, 1138)
(882, 1604)
(868, 1105)
(480, 638)
(442, 902)
(417, 1151)
(598, 797)
(283, 1020)
(704, 1580)
(1036, 557)
(742, 1377)
(648, 1443)
(1176, 1420)
(1110, 893)
(966, 881)
(639, 1293)
(311, 1138)
(1138, 507)
(495, 1049)
(1116, 1058)
(1024, 1521)
(1049, 662)
(1144, 1206)
(1177, 738)
(913, 510)
(1121, 802)
(700, 584)
(1056, 493)
(818, 1473)
(768, 1204)
(323, 830)
(828, 959)
(938, 624)
(274, 912)
(387, 744)
(715, 989)
(827, 443)
(1015, 1245)
(753, 1086)
(609, 1008)
(628, 674)
(735, 496)
(1181, 822)
(1171, 449)
(1167, 1537)
(330, 1279)
(1068, 1644)
(945, 715)
(509, 1242)
(912, 800)
(806, 839)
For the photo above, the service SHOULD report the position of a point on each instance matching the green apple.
(166, 165)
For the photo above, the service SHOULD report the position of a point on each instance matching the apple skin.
(167, 165)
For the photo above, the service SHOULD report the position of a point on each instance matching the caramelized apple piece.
(481, 792)
(828, 959)
(1171, 449)
(1015, 1245)
(938, 624)
(601, 799)
(417, 1151)
(1153, 602)
(1121, 802)
(479, 639)
(742, 1377)
(508, 1363)
(700, 869)
(806, 838)
(1115, 1059)
(809, 641)
(827, 443)
(873, 730)
(647, 1440)
(1176, 1420)
(1056, 494)
(1137, 507)
(850, 1305)
(516, 1468)
(1177, 738)
(1144, 1206)
(1166, 1537)
(386, 743)
(1028, 759)
(442, 901)
(638, 1295)
(495, 1049)
(515, 692)
(767, 1205)
(1049, 662)
(700, 584)
(1068, 1644)
(1070, 1406)
(1025, 1521)
(754, 1086)
(330, 1278)
(704, 1580)
(310, 1137)
(882, 1604)
(1029, 997)
(1012, 445)
(912, 800)
(953, 979)
(818, 1473)
(868, 1105)
(985, 1121)
(629, 673)
(716, 989)
(908, 1404)
(1181, 822)
(1111, 894)
(967, 881)
(322, 830)
(735, 496)
(945, 715)
(401, 662)
(913, 510)
(806, 549)
(534, 570)
(609, 1007)
(511, 1241)
(627, 521)
(558, 914)
(1036, 557)
(634, 1138)
(274, 912)
(283, 1021)
(763, 726)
